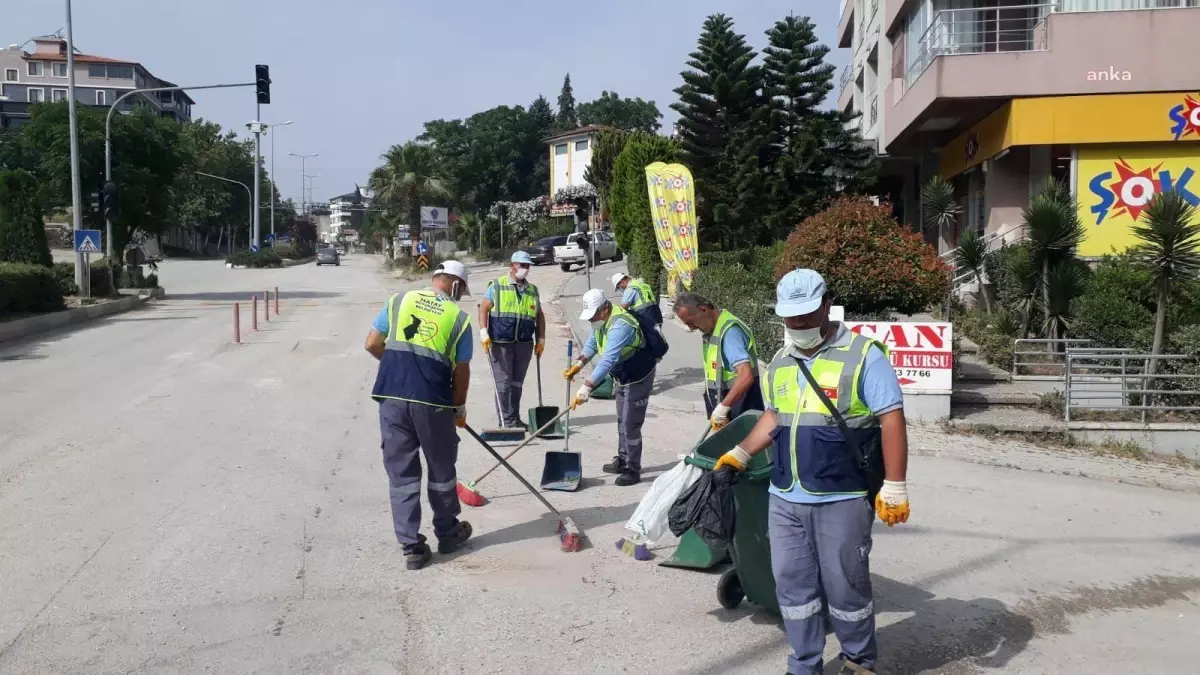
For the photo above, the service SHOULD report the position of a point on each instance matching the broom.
(467, 492)
(570, 537)
(500, 434)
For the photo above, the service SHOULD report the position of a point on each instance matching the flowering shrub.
(870, 262)
(522, 212)
(572, 192)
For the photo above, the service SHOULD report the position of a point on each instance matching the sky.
(356, 76)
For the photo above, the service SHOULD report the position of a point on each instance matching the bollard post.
(267, 306)
(276, 301)
(237, 330)
(254, 312)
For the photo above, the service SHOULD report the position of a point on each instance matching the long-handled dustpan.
(500, 434)
(563, 470)
(539, 416)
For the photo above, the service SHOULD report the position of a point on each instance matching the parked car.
(571, 254)
(340, 251)
(542, 250)
(328, 256)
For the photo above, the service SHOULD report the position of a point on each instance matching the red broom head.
(469, 496)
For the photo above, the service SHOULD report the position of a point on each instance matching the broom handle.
(539, 374)
(525, 442)
(567, 431)
(495, 389)
(513, 471)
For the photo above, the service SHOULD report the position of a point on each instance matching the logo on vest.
(427, 330)
(831, 392)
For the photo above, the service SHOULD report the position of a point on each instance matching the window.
(11, 74)
(58, 69)
(37, 95)
(97, 71)
(165, 96)
(580, 146)
(35, 68)
(560, 149)
(57, 95)
(100, 97)
(120, 72)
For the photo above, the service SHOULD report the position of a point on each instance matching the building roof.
(581, 131)
(92, 58)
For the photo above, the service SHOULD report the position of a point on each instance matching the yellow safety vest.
(514, 313)
(424, 328)
(716, 376)
(635, 361)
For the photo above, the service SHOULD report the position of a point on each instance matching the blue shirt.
(735, 348)
(630, 297)
(620, 336)
(880, 390)
(466, 344)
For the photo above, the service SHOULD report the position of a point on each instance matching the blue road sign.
(87, 241)
(270, 239)
(422, 248)
(253, 248)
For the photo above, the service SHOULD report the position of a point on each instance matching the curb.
(15, 330)
(302, 261)
(983, 399)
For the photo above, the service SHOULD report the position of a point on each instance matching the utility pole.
(76, 198)
(273, 190)
(303, 177)
(262, 83)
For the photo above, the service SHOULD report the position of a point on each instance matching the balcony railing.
(1013, 28)
(846, 72)
(873, 112)
(1119, 5)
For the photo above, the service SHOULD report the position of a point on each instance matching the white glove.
(720, 416)
(583, 394)
(894, 493)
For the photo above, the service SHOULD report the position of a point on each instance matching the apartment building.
(570, 155)
(40, 76)
(346, 212)
(999, 95)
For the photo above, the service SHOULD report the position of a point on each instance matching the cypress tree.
(22, 233)
(568, 117)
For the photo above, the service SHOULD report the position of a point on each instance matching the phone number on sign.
(910, 372)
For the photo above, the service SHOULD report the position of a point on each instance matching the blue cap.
(522, 257)
(799, 292)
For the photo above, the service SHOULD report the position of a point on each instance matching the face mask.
(455, 291)
(805, 338)
(521, 273)
(597, 324)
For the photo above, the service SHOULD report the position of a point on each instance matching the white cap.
(592, 301)
(618, 278)
(799, 292)
(454, 268)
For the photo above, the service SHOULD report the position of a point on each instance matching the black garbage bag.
(708, 508)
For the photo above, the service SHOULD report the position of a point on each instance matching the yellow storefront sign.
(1075, 120)
(1115, 183)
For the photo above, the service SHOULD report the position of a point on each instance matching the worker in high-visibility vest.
(512, 331)
(423, 342)
(730, 356)
(638, 297)
(826, 473)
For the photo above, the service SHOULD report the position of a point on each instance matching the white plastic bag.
(649, 521)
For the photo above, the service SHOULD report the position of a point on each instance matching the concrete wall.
(1006, 190)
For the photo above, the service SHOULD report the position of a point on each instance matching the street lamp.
(302, 176)
(249, 194)
(76, 199)
(280, 124)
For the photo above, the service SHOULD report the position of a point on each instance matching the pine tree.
(22, 233)
(721, 130)
(541, 120)
(813, 154)
(568, 117)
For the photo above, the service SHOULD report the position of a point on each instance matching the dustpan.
(539, 416)
(563, 470)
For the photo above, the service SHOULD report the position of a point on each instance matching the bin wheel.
(729, 590)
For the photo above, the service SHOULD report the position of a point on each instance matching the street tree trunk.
(1050, 329)
(983, 292)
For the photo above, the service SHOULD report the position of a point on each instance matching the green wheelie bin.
(750, 577)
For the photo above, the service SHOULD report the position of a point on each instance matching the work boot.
(851, 668)
(456, 538)
(628, 477)
(518, 425)
(417, 556)
(617, 466)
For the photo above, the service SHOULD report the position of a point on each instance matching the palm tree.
(1068, 280)
(409, 174)
(939, 207)
(1054, 232)
(971, 255)
(1170, 249)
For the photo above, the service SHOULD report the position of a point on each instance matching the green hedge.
(26, 288)
(298, 251)
(259, 259)
(743, 282)
(633, 223)
(102, 279)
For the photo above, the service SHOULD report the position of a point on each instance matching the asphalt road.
(174, 504)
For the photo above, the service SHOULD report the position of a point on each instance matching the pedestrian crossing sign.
(87, 241)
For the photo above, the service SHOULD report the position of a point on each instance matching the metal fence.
(980, 30)
(1117, 381)
(1047, 357)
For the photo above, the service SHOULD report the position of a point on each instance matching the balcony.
(873, 112)
(968, 63)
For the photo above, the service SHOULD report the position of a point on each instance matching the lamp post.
(270, 126)
(76, 199)
(249, 194)
(302, 176)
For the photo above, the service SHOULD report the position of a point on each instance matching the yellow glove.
(892, 503)
(571, 372)
(486, 342)
(460, 416)
(539, 348)
(737, 459)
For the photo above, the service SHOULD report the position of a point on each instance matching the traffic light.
(262, 83)
(111, 201)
